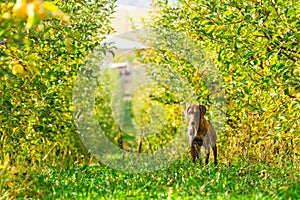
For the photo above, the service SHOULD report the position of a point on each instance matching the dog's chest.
(203, 127)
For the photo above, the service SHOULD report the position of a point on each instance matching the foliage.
(35, 106)
(255, 46)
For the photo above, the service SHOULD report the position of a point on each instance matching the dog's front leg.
(207, 151)
(198, 151)
(215, 154)
(193, 152)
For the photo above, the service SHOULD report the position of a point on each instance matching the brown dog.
(201, 133)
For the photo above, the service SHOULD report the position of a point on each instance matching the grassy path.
(181, 180)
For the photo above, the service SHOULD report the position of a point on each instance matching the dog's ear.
(186, 111)
(202, 109)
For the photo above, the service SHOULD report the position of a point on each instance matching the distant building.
(125, 71)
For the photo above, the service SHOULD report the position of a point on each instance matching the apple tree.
(42, 45)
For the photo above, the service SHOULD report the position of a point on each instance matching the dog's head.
(195, 113)
(202, 109)
(193, 109)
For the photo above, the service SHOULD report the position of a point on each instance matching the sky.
(138, 3)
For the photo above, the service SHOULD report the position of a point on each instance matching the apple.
(20, 9)
(18, 69)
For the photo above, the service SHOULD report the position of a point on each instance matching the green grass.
(182, 179)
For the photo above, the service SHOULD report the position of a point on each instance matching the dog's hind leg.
(198, 150)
